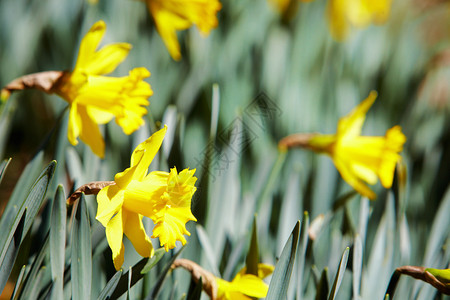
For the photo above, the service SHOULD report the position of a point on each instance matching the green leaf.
(122, 285)
(196, 292)
(58, 241)
(162, 276)
(322, 286)
(159, 253)
(36, 285)
(19, 282)
(110, 286)
(10, 248)
(3, 167)
(252, 259)
(303, 244)
(36, 197)
(357, 266)
(340, 274)
(81, 267)
(29, 284)
(281, 276)
(13, 215)
(25, 182)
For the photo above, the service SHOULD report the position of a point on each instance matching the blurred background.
(261, 75)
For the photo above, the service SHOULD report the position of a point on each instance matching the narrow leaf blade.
(281, 276)
(81, 271)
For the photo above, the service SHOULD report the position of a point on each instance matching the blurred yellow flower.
(359, 159)
(173, 15)
(163, 197)
(245, 286)
(342, 14)
(95, 99)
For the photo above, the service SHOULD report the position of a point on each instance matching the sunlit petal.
(135, 232)
(114, 235)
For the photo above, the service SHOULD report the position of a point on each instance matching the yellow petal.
(114, 235)
(74, 127)
(250, 285)
(99, 115)
(135, 231)
(351, 125)
(109, 200)
(264, 270)
(173, 15)
(107, 59)
(339, 26)
(90, 133)
(89, 44)
(350, 177)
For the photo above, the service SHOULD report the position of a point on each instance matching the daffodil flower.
(359, 159)
(245, 286)
(161, 196)
(343, 14)
(96, 99)
(173, 15)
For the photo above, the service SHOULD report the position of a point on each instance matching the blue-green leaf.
(339, 275)
(3, 167)
(58, 241)
(110, 286)
(81, 268)
(282, 274)
(159, 253)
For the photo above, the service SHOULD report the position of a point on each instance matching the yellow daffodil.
(173, 15)
(245, 286)
(343, 14)
(96, 99)
(359, 159)
(163, 197)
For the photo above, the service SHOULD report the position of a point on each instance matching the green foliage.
(343, 246)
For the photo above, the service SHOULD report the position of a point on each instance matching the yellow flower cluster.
(163, 197)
